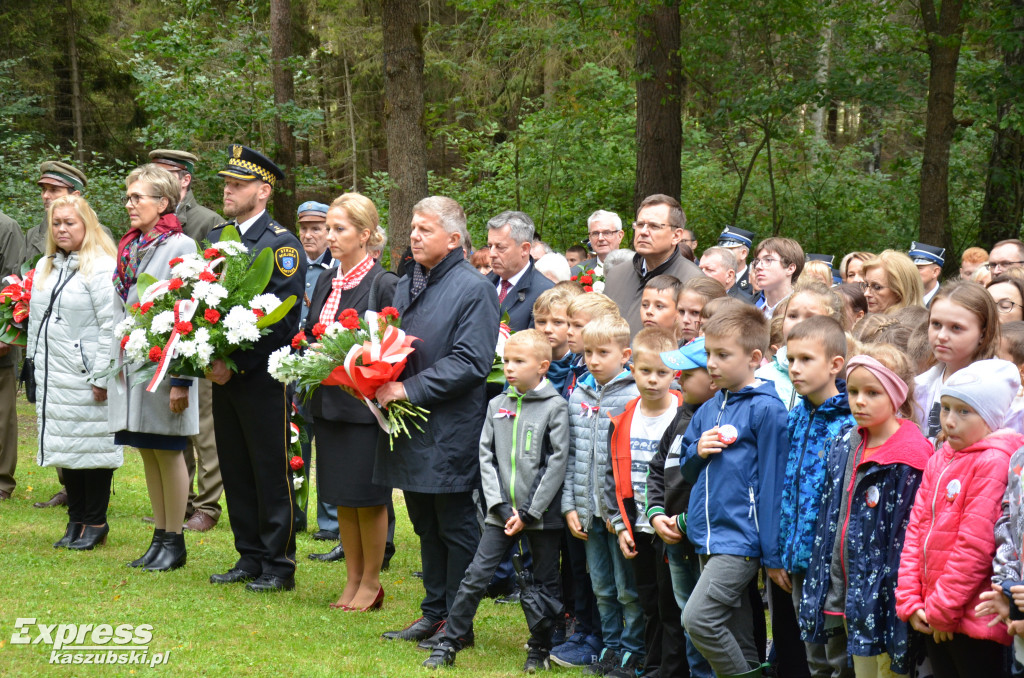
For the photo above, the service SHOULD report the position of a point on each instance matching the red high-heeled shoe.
(377, 603)
(340, 606)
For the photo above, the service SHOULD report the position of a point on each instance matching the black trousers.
(790, 653)
(449, 534)
(88, 494)
(494, 547)
(251, 425)
(664, 639)
(966, 657)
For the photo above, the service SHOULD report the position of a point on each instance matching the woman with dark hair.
(156, 423)
(70, 321)
(1008, 293)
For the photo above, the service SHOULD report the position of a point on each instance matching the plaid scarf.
(133, 245)
(341, 283)
(421, 276)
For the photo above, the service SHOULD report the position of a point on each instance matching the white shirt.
(514, 280)
(245, 225)
(929, 295)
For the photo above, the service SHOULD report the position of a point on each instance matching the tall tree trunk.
(76, 82)
(659, 85)
(350, 108)
(403, 114)
(284, 93)
(1002, 210)
(943, 34)
(820, 117)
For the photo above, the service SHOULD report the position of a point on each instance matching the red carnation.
(389, 312)
(174, 283)
(350, 323)
(296, 463)
(135, 306)
(588, 288)
(206, 276)
(183, 327)
(350, 313)
(319, 329)
(156, 353)
(211, 253)
(212, 315)
(258, 313)
(175, 261)
(587, 280)
(298, 340)
(124, 340)
(144, 309)
(574, 278)
(589, 272)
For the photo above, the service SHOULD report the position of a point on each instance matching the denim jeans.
(622, 617)
(685, 572)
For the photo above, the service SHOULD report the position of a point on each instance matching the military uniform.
(251, 409)
(197, 221)
(11, 246)
(732, 237)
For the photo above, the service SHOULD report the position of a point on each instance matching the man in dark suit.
(516, 281)
(739, 241)
(250, 408)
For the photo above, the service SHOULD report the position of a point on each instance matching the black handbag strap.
(372, 305)
(49, 309)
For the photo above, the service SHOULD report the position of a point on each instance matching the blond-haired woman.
(891, 282)
(156, 423)
(346, 433)
(70, 322)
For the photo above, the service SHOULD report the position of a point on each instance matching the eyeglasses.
(602, 235)
(874, 287)
(1003, 264)
(764, 262)
(651, 226)
(134, 198)
(689, 241)
(1006, 305)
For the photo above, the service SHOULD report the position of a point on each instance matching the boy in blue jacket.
(736, 447)
(816, 349)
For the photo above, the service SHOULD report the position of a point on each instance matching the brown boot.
(59, 499)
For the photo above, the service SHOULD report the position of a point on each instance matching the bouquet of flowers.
(300, 474)
(211, 306)
(497, 375)
(358, 354)
(15, 295)
(591, 281)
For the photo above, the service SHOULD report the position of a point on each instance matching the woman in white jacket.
(70, 325)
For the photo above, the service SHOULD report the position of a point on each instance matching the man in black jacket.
(250, 408)
(516, 280)
(454, 311)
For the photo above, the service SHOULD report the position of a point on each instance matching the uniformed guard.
(739, 242)
(249, 407)
(205, 485)
(929, 260)
(12, 242)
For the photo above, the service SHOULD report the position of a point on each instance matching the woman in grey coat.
(70, 321)
(157, 423)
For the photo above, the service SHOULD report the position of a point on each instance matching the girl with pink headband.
(871, 480)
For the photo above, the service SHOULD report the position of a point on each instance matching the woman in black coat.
(345, 430)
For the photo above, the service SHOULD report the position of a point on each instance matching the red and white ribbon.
(589, 410)
(184, 309)
(505, 414)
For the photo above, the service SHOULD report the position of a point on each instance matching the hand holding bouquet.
(358, 354)
(15, 295)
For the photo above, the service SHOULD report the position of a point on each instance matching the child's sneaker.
(608, 661)
(578, 650)
(536, 660)
(631, 666)
(442, 655)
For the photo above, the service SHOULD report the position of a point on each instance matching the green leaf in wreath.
(30, 264)
(145, 280)
(258, 275)
(229, 233)
(278, 313)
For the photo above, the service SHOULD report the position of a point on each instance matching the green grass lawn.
(210, 630)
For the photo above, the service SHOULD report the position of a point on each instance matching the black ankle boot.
(91, 537)
(154, 548)
(171, 556)
(70, 534)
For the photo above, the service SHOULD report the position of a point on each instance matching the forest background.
(846, 124)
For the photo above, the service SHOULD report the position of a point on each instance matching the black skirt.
(344, 464)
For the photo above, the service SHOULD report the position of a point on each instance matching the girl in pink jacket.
(947, 556)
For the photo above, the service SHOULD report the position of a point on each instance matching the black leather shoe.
(442, 655)
(59, 499)
(326, 535)
(269, 582)
(91, 537)
(154, 548)
(233, 576)
(171, 556)
(337, 553)
(70, 534)
(510, 599)
(421, 629)
(430, 643)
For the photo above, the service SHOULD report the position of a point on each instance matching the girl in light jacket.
(947, 557)
(70, 323)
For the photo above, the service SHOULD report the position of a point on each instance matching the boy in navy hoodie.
(736, 447)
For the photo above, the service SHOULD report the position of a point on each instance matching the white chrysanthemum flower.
(275, 363)
(231, 247)
(125, 326)
(240, 325)
(190, 267)
(211, 293)
(334, 329)
(598, 286)
(163, 322)
(297, 482)
(185, 349)
(265, 302)
(204, 352)
(138, 345)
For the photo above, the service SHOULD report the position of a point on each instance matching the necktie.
(505, 287)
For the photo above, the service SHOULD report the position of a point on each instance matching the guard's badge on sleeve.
(287, 260)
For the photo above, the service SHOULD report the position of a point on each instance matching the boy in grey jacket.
(524, 446)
